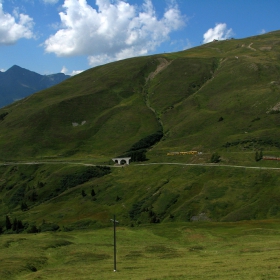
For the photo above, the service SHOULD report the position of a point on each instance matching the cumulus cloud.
(114, 31)
(219, 32)
(64, 70)
(50, 1)
(76, 72)
(13, 28)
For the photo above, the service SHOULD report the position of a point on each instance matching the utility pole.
(115, 244)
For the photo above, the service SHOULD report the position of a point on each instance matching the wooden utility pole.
(115, 244)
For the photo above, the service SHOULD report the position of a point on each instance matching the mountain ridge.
(17, 83)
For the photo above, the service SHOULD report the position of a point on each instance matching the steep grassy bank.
(76, 196)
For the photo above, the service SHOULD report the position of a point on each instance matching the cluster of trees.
(83, 175)
(138, 150)
(92, 193)
(139, 207)
(16, 226)
(80, 176)
(255, 142)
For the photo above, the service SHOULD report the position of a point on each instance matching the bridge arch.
(122, 160)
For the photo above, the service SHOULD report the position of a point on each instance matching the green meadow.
(244, 250)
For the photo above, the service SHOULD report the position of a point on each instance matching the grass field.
(244, 250)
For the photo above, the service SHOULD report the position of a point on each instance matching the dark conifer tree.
(20, 226)
(23, 206)
(92, 192)
(261, 155)
(256, 156)
(15, 223)
(8, 223)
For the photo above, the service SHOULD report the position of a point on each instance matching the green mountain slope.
(220, 97)
(105, 110)
(108, 108)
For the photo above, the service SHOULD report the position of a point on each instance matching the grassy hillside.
(102, 112)
(221, 97)
(76, 196)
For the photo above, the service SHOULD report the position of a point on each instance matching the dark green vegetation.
(221, 99)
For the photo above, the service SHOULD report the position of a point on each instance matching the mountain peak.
(17, 83)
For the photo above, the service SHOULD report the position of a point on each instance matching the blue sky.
(69, 36)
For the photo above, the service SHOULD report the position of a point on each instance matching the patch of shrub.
(72, 180)
(139, 155)
(258, 155)
(136, 209)
(215, 158)
(147, 141)
(138, 150)
(83, 224)
(49, 227)
(18, 195)
(32, 229)
(23, 206)
(255, 142)
(256, 119)
(3, 115)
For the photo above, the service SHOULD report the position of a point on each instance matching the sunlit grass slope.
(98, 112)
(169, 251)
(219, 95)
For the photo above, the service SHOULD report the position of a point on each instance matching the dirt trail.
(249, 47)
(163, 64)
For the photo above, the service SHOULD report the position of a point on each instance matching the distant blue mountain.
(17, 83)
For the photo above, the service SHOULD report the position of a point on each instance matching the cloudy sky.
(69, 36)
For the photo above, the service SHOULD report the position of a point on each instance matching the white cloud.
(76, 72)
(114, 31)
(50, 1)
(219, 32)
(64, 70)
(13, 28)
(262, 31)
(188, 44)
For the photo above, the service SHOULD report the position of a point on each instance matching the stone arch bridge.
(122, 160)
